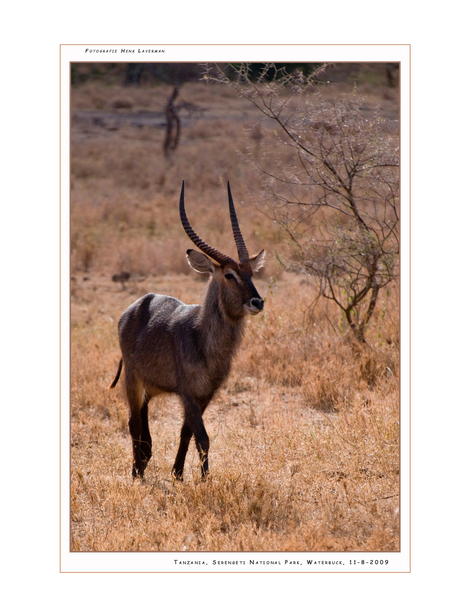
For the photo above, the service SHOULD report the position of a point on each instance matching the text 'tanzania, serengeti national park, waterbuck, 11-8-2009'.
(169, 346)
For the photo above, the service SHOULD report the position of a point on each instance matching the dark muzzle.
(257, 303)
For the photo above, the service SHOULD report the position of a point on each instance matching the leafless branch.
(345, 165)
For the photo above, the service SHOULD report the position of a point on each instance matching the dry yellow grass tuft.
(305, 433)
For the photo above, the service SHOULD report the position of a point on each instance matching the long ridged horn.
(240, 245)
(205, 248)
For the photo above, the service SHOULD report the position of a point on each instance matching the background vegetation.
(305, 434)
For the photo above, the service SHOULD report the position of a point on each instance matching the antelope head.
(236, 291)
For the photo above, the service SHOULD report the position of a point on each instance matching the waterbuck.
(169, 346)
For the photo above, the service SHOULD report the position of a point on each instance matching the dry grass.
(304, 435)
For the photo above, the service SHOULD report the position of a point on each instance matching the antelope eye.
(229, 276)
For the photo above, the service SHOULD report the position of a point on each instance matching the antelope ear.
(257, 261)
(200, 262)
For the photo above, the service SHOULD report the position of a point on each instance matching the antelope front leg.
(193, 426)
(202, 445)
(178, 468)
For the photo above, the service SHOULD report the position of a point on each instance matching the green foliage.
(135, 73)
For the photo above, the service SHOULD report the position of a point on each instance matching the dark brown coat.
(168, 346)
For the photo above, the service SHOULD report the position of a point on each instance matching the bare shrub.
(335, 159)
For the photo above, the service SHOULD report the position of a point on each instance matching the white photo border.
(241, 562)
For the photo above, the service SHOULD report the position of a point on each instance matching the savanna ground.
(305, 433)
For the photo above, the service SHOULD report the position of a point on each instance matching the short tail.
(117, 376)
